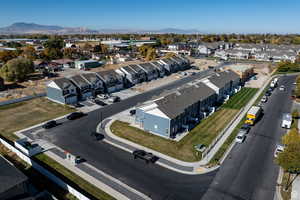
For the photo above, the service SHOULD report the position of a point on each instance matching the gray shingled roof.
(63, 83)
(222, 78)
(129, 70)
(91, 77)
(10, 176)
(147, 67)
(108, 75)
(158, 65)
(175, 103)
(79, 81)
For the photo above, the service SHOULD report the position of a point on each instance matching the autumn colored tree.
(17, 69)
(289, 159)
(29, 52)
(7, 55)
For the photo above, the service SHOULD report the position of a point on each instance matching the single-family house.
(62, 90)
(66, 63)
(87, 64)
(112, 80)
(96, 83)
(150, 70)
(84, 88)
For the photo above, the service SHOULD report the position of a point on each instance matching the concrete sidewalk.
(170, 162)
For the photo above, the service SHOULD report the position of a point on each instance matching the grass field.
(21, 115)
(204, 133)
(240, 99)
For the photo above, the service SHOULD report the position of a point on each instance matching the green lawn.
(240, 99)
(91, 189)
(204, 133)
(217, 157)
(22, 115)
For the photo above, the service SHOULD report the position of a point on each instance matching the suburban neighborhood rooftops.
(129, 70)
(10, 176)
(137, 68)
(168, 61)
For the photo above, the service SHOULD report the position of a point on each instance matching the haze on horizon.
(208, 16)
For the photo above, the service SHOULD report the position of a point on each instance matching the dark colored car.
(49, 124)
(98, 136)
(148, 157)
(268, 93)
(246, 127)
(99, 102)
(75, 115)
(132, 112)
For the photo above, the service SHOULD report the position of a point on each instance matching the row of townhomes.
(259, 52)
(181, 110)
(70, 90)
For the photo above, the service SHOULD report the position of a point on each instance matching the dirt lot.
(203, 63)
(21, 115)
(262, 72)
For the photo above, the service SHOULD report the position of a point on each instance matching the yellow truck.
(253, 115)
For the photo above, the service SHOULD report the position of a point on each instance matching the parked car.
(75, 115)
(100, 103)
(282, 88)
(103, 96)
(114, 99)
(264, 99)
(279, 149)
(268, 93)
(246, 127)
(132, 112)
(148, 157)
(240, 137)
(49, 124)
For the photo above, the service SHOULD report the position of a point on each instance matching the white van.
(286, 120)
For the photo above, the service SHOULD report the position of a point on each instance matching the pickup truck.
(148, 157)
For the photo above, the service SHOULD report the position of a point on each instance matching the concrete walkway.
(170, 162)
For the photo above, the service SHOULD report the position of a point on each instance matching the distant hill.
(31, 28)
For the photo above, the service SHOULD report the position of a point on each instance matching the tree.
(29, 52)
(17, 69)
(69, 53)
(87, 47)
(7, 55)
(52, 53)
(289, 159)
(54, 43)
(151, 54)
(101, 48)
(169, 55)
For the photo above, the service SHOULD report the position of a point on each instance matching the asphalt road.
(241, 177)
(152, 180)
(249, 172)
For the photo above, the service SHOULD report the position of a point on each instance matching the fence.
(214, 142)
(49, 173)
(3, 103)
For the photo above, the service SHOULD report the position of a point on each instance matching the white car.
(240, 137)
(264, 99)
(282, 88)
(278, 150)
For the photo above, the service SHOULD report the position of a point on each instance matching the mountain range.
(32, 28)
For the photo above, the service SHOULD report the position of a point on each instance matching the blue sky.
(216, 16)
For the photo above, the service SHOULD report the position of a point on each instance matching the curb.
(137, 146)
(278, 186)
